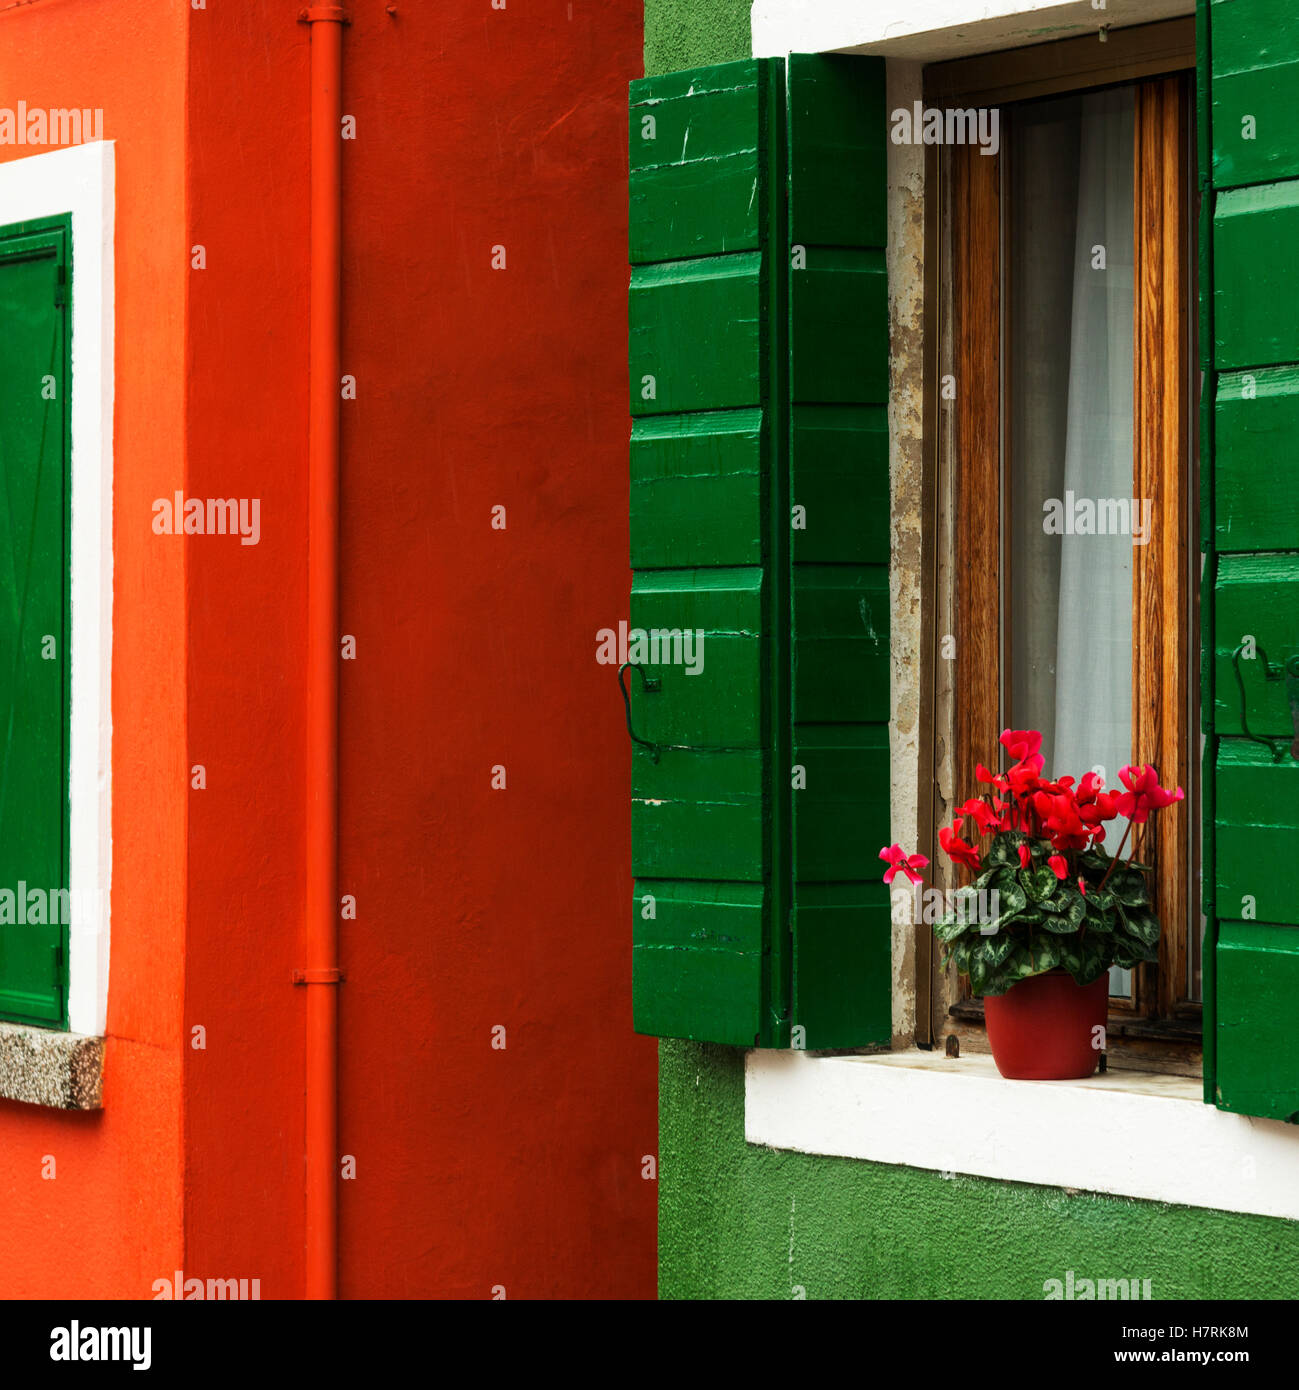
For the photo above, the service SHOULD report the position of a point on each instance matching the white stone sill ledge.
(1128, 1134)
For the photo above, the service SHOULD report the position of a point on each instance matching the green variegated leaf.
(1101, 919)
(1130, 888)
(1094, 861)
(1017, 966)
(1044, 952)
(950, 927)
(1143, 925)
(1038, 881)
(1058, 924)
(1011, 897)
(1004, 850)
(1075, 910)
(1086, 960)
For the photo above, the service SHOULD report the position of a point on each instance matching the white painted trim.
(935, 30)
(80, 180)
(1161, 1143)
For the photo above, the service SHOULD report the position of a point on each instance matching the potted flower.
(1049, 910)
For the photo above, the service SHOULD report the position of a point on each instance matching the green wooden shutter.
(34, 454)
(759, 376)
(1249, 142)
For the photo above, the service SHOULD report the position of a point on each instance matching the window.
(56, 244)
(1112, 1132)
(1066, 467)
(35, 457)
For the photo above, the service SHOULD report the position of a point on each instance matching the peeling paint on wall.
(906, 273)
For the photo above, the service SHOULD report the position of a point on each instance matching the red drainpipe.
(321, 975)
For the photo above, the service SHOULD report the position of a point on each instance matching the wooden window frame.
(1159, 1025)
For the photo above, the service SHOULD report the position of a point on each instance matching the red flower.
(1096, 805)
(1021, 744)
(984, 816)
(899, 859)
(1061, 822)
(1058, 867)
(958, 850)
(1025, 776)
(1144, 794)
(1024, 856)
(991, 778)
(1082, 885)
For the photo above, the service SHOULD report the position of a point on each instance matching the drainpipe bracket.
(318, 977)
(324, 14)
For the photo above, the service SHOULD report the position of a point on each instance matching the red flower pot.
(1044, 1028)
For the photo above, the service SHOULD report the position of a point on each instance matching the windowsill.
(60, 1071)
(1125, 1133)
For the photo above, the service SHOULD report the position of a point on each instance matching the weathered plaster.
(63, 1071)
(906, 267)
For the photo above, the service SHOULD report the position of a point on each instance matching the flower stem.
(1126, 830)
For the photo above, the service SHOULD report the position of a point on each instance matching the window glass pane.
(1071, 519)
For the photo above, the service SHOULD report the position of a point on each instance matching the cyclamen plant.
(1062, 900)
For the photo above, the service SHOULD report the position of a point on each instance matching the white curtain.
(1070, 258)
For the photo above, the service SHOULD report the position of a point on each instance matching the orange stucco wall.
(109, 1221)
(475, 1167)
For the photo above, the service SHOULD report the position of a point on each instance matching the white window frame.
(79, 180)
(1144, 1136)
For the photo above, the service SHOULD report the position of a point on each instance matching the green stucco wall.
(685, 33)
(737, 1221)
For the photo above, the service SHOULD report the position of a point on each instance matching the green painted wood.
(1257, 1064)
(1209, 573)
(1256, 276)
(698, 951)
(1257, 831)
(679, 360)
(1256, 597)
(838, 313)
(841, 643)
(841, 813)
(702, 643)
(696, 490)
(1255, 86)
(837, 161)
(1248, 66)
(700, 815)
(35, 389)
(695, 166)
(843, 988)
(713, 210)
(833, 359)
(759, 379)
(1256, 429)
(840, 471)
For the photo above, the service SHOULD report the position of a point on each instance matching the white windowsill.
(1128, 1134)
(933, 30)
